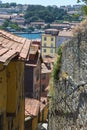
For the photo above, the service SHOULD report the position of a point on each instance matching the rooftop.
(13, 46)
(65, 32)
(52, 31)
(32, 107)
(45, 69)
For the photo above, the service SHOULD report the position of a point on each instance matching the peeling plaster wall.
(69, 106)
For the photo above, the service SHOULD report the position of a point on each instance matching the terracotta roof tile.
(3, 50)
(25, 50)
(9, 55)
(12, 45)
(32, 107)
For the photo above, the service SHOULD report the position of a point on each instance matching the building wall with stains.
(12, 97)
(68, 103)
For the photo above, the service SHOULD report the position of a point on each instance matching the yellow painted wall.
(11, 96)
(48, 52)
(41, 118)
(48, 45)
(34, 123)
(11, 88)
(48, 40)
(45, 113)
(3, 89)
(3, 95)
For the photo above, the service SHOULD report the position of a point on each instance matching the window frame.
(45, 38)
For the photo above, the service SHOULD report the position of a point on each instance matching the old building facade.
(13, 52)
(49, 41)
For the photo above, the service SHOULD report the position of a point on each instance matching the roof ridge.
(5, 36)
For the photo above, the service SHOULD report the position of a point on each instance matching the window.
(43, 76)
(43, 87)
(45, 38)
(1, 122)
(44, 50)
(49, 65)
(52, 39)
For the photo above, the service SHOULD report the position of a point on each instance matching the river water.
(30, 35)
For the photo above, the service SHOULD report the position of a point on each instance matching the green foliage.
(1, 27)
(75, 17)
(57, 65)
(85, 6)
(31, 28)
(85, 1)
(47, 26)
(59, 51)
(85, 9)
(53, 81)
(56, 69)
(5, 5)
(14, 26)
(8, 24)
(49, 14)
(13, 4)
(39, 27)
(8, 5)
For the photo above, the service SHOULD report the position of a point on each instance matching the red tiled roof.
(12, 45)
(32, 107)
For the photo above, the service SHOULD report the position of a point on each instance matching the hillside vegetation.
(42, 13)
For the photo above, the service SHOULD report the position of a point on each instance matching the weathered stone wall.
(68, 110)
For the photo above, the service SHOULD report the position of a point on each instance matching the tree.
(85, 1)
(6, 23)
(85, 6)
(13, 4)
(41, 13)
